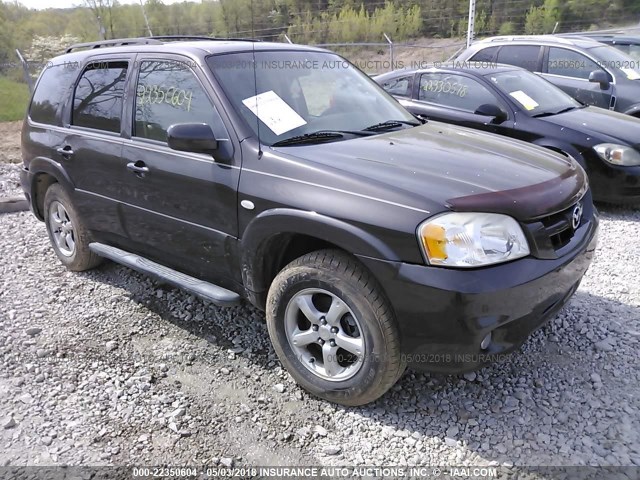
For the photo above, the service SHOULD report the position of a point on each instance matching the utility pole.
(146, 20)
(101, 28)
(472, 19)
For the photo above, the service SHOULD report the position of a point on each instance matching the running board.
(205, 290)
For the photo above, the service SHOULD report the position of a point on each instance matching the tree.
(103, 12)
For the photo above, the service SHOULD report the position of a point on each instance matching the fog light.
(486, 341)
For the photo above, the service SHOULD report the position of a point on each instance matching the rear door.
(454, 98)
(569, 70)
(183, 211)
(92, 146)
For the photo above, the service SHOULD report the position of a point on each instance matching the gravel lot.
(110, 368)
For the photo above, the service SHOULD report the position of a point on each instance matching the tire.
(329, 294)
(67, 234)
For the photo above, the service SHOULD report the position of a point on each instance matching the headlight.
(618, 154)
(466, 240)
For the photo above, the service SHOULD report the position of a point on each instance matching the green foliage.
(541, 20)
(305, 21)
(14, 99)
(507, 28)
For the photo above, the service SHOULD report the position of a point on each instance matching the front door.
(570, 70)
(454, 98)
(178, 208)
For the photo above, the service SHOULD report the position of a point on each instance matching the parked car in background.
(628, 44)
(589, 71)
(513, 102)
(283, 176)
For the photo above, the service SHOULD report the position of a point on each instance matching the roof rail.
(187, 38)
(154, 40)
(119, 42)
(512, 38)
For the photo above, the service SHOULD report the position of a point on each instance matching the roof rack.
(187, 38)
(120, 42)
(513, 38)
(153, 40)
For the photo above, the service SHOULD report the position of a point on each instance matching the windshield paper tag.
(631, 73)
(274, 112)
(525, 100)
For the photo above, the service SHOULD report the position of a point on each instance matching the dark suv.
(283, 176)
(589, 71)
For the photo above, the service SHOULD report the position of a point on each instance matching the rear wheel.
(333, 329)
(68, 236)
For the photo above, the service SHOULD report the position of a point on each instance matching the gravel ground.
(110, 368)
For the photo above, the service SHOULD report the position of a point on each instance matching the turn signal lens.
(434, 240)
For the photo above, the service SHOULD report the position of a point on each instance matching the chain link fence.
(377, 58)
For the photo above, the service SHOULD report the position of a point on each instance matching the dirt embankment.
(10, 135)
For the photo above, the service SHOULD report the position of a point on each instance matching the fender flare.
(270, 224)
(43, 165)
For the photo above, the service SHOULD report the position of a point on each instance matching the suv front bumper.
(444, 314)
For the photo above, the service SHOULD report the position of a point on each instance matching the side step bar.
(205, 290)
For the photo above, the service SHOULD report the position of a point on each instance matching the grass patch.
(14, 97)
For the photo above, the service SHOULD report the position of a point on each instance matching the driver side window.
(455, 91)
(168, 93)
(568, 63)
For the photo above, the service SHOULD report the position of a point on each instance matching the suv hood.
(456, 168)
(604, 125)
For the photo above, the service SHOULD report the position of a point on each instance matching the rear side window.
(51, 92)
(524, 56)
(97, 102)
(400, 86)
(169, 93)
(485, 55)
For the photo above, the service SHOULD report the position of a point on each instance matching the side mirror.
(491, 110)
(601, 77)
(192, 137)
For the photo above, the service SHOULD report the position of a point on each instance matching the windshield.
(532, 93)
(301, 93)
(632, 50)
(610, 57)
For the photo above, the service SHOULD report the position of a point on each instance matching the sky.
(41, 4)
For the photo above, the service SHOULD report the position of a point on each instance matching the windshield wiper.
(548, 114)
(389, 124)
(319, 137)
(568, 109)
(543, 114)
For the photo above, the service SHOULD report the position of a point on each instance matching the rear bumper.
(444, 314)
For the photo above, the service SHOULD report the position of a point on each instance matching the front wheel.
(333, 328)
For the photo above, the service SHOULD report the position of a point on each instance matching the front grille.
(550, 234)
(558, 227)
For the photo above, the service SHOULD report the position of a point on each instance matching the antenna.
(255, 83)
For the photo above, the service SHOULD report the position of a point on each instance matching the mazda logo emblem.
(576, 216)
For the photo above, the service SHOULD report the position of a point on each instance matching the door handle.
(66, 152)
(139, 168)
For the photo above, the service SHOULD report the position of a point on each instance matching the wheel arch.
(276, 237)
(43, 173)
(563, 149)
